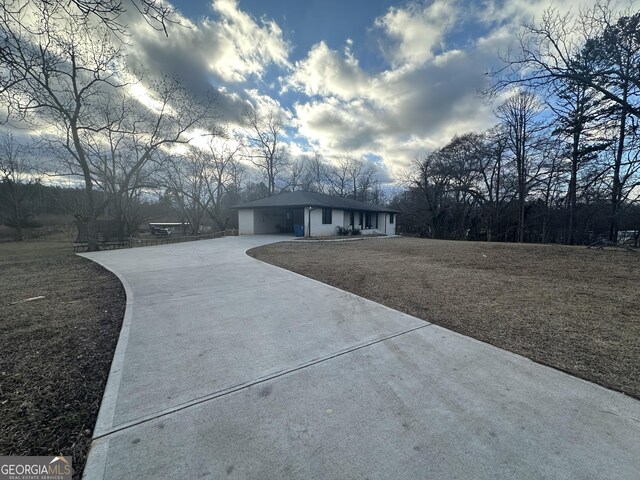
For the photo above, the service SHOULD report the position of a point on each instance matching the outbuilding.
(313, 215)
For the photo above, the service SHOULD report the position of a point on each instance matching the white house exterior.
(314, 214)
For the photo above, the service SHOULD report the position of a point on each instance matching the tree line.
(197, 185)
(562, 164)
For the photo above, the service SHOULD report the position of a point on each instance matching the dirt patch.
(572, 308)
(56, 350)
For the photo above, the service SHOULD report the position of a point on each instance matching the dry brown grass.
(56, 351)
(572, 308)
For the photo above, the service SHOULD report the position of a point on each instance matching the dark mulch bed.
(56, 351)
(572, 308)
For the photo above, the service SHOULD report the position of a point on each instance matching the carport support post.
(307, 230)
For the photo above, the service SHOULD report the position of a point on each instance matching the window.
(351, 217)
(391, 218)
(361, 223)
(367, 220)
(326, 216)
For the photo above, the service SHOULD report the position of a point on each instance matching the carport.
(271, 219)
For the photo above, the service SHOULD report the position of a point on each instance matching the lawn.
(56, 350)
(572, 308)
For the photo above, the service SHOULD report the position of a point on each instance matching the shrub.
(342, 231)
(355, 231)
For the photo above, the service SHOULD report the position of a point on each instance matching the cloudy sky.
(375, 78)
(381, 79)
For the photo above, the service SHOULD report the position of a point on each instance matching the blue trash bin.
(299, 230)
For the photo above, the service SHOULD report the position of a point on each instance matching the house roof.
(312, 199)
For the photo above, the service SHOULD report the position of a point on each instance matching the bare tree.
(222, 175)
(156, 13)
(186, 190)
(585, 60)
(337, 176)
(237, 178)
(197, 182)
(266, 148)
(461, 162)
(351, 177)
(58, 69)
(431, 183)
(299, 175)
(63, 71)
(551, 187)
(563, 47)
(361, 176)
(576, 109)
(491, 189)
(317, 171)
(17, 173)
(378, 195)
(121, 167)
(124, 157)
(617, 52)
(519, 115)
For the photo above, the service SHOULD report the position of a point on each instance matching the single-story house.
(315, 214)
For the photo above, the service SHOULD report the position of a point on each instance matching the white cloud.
(418, 30)
(518, 12)
(427, 94)
(232, 46)
(265, 103)
(394, 114)
(325, 72)
(337, 126)
(248, 46)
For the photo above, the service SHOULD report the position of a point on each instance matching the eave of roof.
(302, 199)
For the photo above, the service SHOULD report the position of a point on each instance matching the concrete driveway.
(227, 367)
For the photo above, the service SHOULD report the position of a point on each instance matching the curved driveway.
(228, 367)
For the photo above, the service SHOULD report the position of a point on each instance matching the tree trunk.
(18, 215)
(521, 198)
(120, 217)
(92, 217)
(17, 210)
(573, 182)
(522, 177)
(271, 175)
(616, 190)
(545, 216)
(496, 206)
(92, 214)
(521, 208)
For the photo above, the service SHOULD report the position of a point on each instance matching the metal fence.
(147, 242)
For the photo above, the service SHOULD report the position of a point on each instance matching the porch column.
(307, 221)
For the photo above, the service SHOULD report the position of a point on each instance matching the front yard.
(56, 350)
